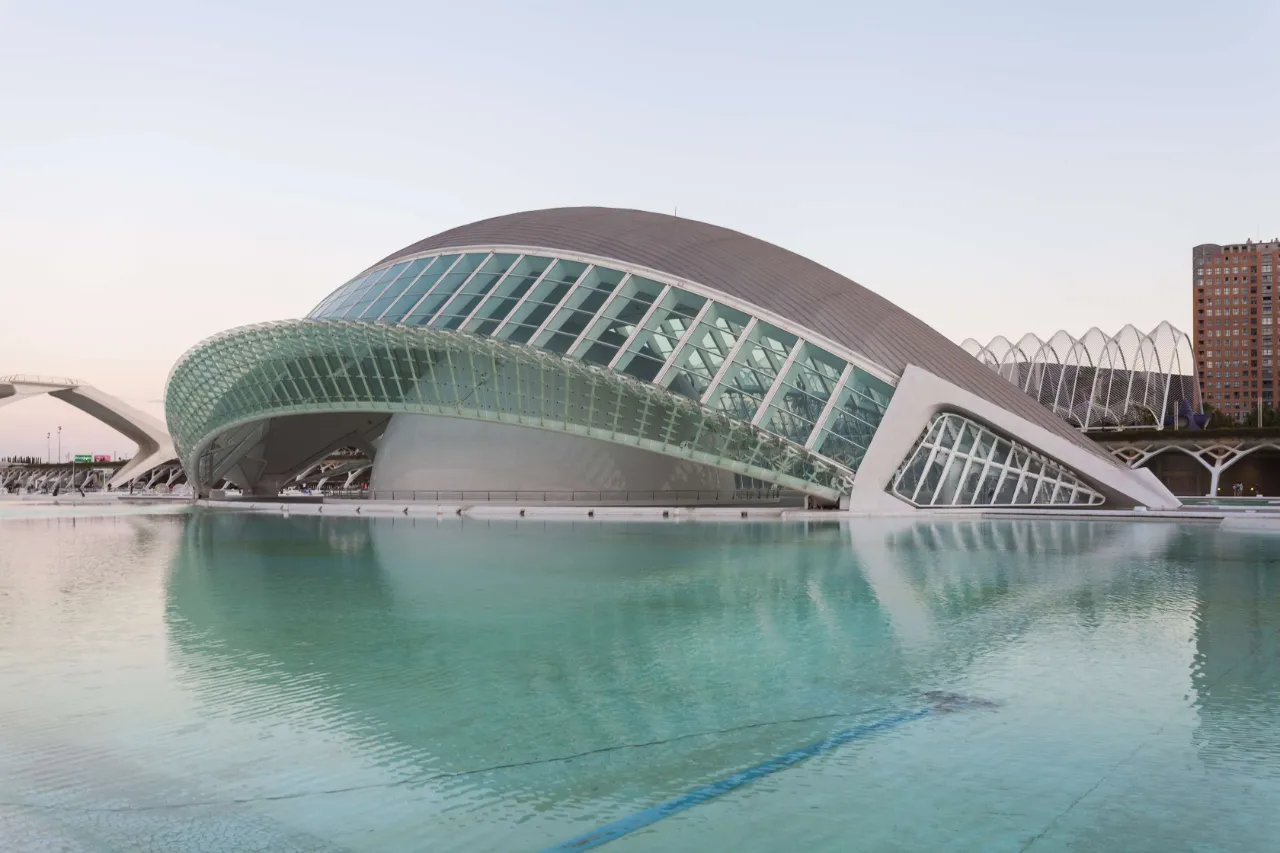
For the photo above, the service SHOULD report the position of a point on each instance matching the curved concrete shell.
(154, 445)
(671, 336)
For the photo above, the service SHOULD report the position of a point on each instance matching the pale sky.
(171, 170)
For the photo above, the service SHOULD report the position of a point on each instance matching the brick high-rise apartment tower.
(1234, 325)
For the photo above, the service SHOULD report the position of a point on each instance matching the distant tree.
(1142, 416)
(1218, 419)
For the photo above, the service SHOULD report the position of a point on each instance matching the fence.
(676, 497)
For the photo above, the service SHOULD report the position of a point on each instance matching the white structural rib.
(154, 445)
(727, 365)
(1128, 379)
(778, 382)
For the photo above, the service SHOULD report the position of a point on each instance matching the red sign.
(97, 457)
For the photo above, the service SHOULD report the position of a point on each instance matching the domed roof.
(765, 275)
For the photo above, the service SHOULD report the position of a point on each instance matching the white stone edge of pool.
(546, 512)
(1262, 518)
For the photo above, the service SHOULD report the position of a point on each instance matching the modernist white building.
(593, 348)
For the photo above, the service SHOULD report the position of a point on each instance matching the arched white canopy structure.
(154, 445)
(596, 348)
(1100, 380)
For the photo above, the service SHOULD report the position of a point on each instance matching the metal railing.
(578, 496)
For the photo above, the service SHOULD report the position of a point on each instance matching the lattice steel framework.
(222, 390)
(628, 325)
(688, 339)
(959, 462)
(1130, 378)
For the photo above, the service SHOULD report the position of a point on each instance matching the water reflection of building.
(448, 633)
(424, 638)
(1236, 677)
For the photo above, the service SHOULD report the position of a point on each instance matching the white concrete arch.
(154, 445)
(1101, 380)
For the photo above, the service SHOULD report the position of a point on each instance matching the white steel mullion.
(928, 463)
(1010, 472)
(357, 296)
(440, 311)
(639, 327)
(433, 287)
(573, 288)
(1022, 476)
(1041, 480)
(747, 331)
(339, 299)
(1058, 485)
(669, 364)
(420, 274)
(1065, 481)
(951, 460)
(986, 463)
(763, 314)
(933, 457)
(777, 382)
(595, 318)
(497, 284)
(385, 288)
(1005, 470)
(1051, 484)
(515, 309)
(971, 460)
(845, 376)
(1093, 391)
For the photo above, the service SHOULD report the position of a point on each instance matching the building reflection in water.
(455, 646)
(450, 647)
(1236, 670)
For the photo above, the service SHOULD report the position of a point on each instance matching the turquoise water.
(227, 682)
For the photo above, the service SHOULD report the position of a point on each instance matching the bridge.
(154, 445)
(68, 476)
(1201, 462)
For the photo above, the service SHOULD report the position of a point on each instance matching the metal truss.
(754, 368)
(679, 335)
(959, 462)
(221, 392)
(1098, 380)
(1215, 454)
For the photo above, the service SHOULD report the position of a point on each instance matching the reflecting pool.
(215, 681)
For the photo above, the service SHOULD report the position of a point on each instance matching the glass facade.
(224, 390)
(959, 462)
(711, 353)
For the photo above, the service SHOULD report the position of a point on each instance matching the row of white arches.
(1131, 378)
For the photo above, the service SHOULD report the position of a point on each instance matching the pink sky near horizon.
(167, 172)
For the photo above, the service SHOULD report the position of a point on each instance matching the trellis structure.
(1128, 379)
(223, 391)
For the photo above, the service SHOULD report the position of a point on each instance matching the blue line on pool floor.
(653, 814)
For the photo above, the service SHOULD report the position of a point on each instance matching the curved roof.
(758, 272)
